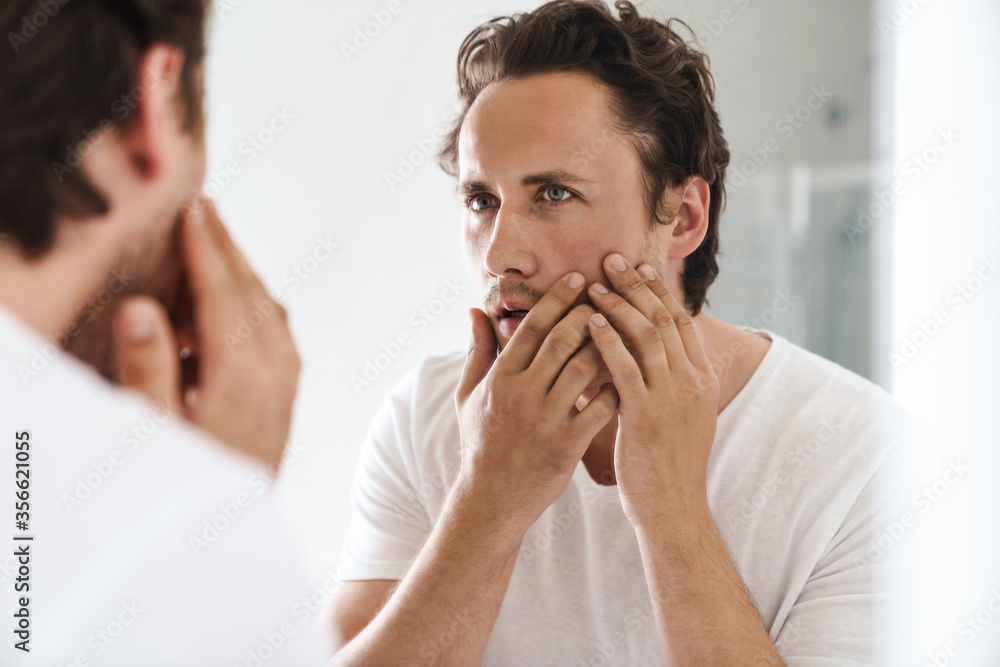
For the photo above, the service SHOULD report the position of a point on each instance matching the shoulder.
(812, 384)
(427, 393)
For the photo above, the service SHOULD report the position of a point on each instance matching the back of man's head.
(662, 88)
(69, 71)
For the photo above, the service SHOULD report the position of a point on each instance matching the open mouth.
(510, 320)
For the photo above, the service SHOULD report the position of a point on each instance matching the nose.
(511, 248)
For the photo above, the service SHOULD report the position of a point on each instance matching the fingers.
(624, 370)
(145, 351)
(561, 344)
(237, 262)
(218, 303)
(640, 316)
(532, 332)
(693, 348)
(581, 370)
(247, 363)
(599, 411)
(482, 354)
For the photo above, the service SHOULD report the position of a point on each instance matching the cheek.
(475, 245)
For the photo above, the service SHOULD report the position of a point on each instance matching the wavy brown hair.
(662, 88)
(69, 70)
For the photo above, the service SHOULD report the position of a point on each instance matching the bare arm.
(667, 419)
(353, 606)
(445, 607)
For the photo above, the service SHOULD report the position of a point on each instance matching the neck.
(48, 293)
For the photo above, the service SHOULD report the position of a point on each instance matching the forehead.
(549, 121)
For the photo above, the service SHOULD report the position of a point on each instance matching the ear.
(154, 113)
(689, 225)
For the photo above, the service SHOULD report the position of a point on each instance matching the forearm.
(444, 609)
(703, 612)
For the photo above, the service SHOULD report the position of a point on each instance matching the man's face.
(550, 187)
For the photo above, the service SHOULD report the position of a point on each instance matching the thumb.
(145, 351)
(482, 354)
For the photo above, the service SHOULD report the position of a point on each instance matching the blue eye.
(480, 203)
(555, 193)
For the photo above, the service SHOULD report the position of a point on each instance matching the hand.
(244, 385)
(522, 435)
(669, 393)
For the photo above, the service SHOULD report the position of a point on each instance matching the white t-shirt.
(797, 484)
(153, 544)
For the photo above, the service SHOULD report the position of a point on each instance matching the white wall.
(945, 235)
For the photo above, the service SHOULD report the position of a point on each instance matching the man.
(629, 480)
(141, 528)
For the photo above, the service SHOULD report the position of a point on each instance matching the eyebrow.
(468, 188)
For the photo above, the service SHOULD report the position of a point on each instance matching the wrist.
(679, 525)
(473, 503)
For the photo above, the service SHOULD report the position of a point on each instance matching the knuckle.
(618, 306)
(633, 283)
(560, 343)
(663, 320)
(685, 323)
(651, 335)
(579, 368)
(631, 374)
(531, 330)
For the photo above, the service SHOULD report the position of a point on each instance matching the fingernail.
(576, 281)
(600, 288)
(140, 322)
(647, 273)
(598, 320)
(617, 262)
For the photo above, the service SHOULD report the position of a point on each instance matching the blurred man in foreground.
(141, 530)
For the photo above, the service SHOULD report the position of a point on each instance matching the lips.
(510, 313)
